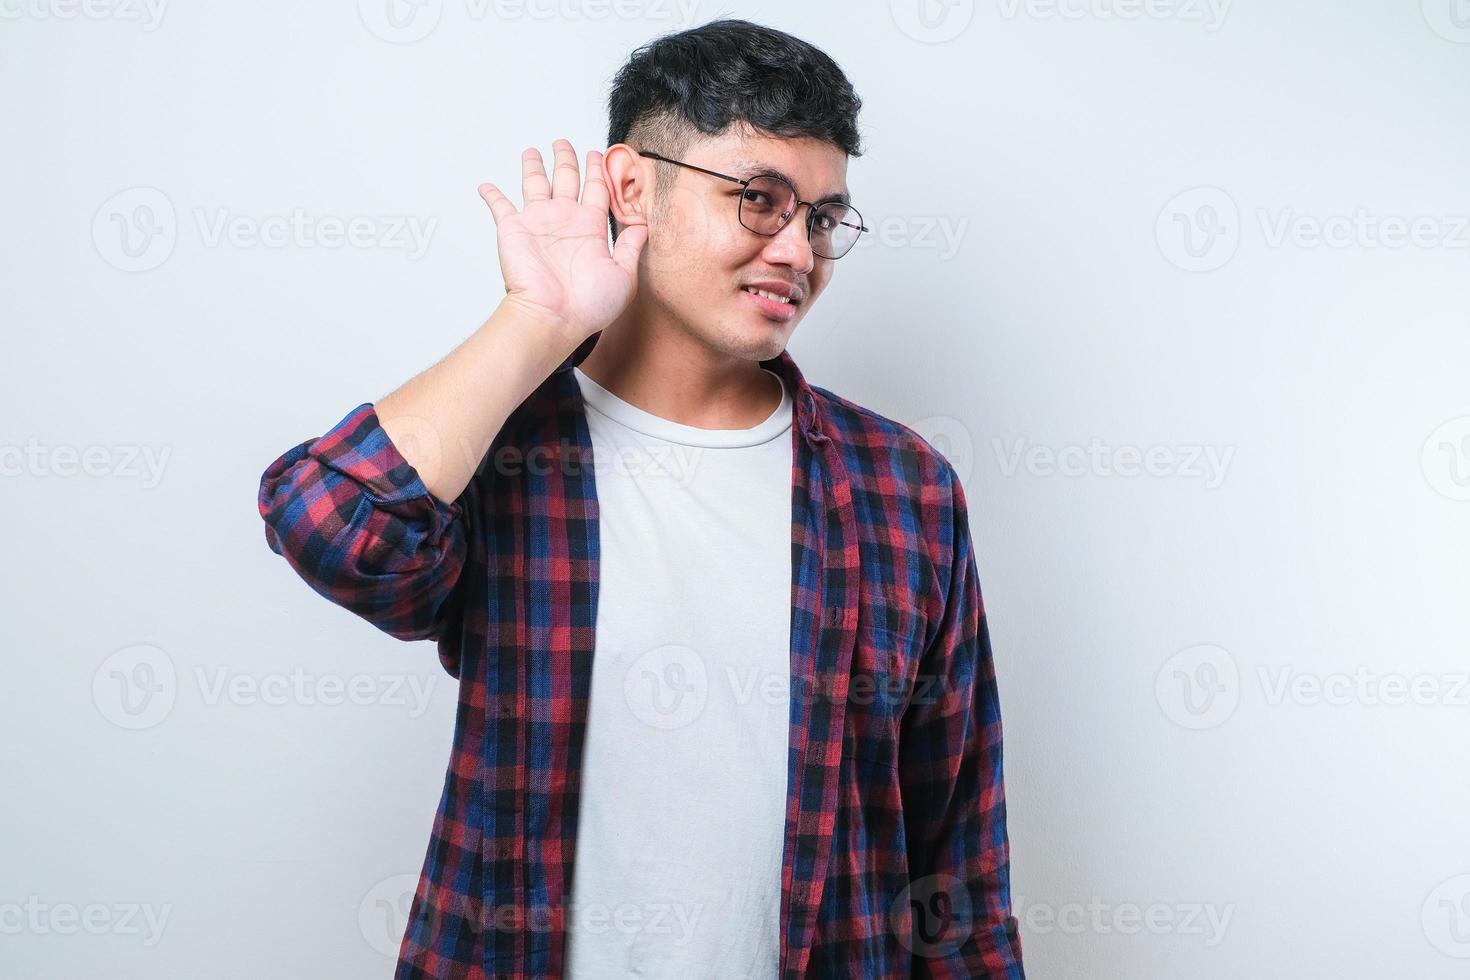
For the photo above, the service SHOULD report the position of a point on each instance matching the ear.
(629, 179)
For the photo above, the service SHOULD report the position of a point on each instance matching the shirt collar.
(807, 413)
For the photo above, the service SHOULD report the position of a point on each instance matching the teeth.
(767, 294)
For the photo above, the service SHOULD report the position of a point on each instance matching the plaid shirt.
(896, 857)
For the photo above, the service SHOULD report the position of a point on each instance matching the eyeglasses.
(768, 202)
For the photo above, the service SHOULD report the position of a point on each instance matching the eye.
(757, 197)
(825, 222)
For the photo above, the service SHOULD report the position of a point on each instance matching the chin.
(770, 343)
(749, 339)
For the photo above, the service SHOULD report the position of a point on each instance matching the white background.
(1175, 812)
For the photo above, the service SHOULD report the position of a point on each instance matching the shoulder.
(884, 448)
(909, 500)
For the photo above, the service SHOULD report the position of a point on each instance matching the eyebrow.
(754, 168)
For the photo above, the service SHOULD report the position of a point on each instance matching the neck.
(666, 370)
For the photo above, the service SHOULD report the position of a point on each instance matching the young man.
(727, 704)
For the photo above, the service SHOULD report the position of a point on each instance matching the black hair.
(729, 72)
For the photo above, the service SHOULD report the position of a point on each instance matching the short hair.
(728, 72)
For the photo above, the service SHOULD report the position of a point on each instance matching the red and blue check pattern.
(896, 857)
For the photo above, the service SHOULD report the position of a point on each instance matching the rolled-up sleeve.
(954, 788)
(356, 522)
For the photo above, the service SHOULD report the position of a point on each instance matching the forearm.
(443, 420)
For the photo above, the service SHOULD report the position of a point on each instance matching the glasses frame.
(811, 208)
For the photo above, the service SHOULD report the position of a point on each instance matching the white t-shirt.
(677, 871)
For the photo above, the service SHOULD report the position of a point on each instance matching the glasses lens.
(835, 229)
(766, 204)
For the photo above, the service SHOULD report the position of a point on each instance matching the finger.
(565, 178)
(500, 206)
(534, 186)
(629, 247)
(594, 190)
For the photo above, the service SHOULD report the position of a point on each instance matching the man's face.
(701, 263)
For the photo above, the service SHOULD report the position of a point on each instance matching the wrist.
(534, 316)
(537, 330)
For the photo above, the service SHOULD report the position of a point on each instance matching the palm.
(554, 254)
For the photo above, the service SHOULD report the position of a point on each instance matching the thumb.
(629, 247)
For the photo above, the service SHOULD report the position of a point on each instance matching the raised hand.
(554, 253)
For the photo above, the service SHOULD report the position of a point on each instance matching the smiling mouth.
(774, 307)
(774, 297)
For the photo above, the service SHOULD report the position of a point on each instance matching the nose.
(791, 245)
